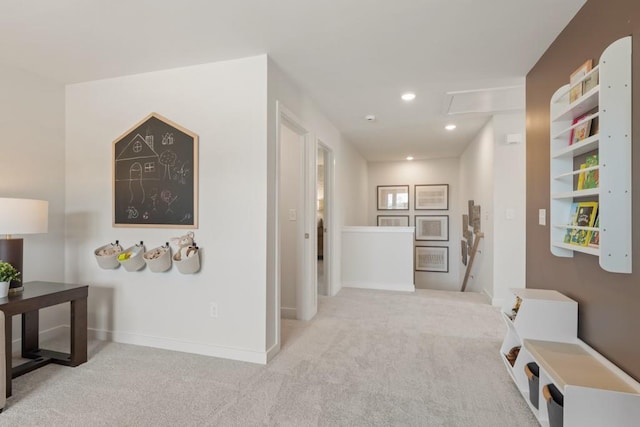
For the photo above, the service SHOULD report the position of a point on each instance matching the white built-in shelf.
(577, 193)
(581, 147)
(577, 248)
(611, 102)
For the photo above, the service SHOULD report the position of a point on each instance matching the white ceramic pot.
(4, 289)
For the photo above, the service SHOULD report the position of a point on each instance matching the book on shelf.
(582, 130)
(573, 130)
(573, 211)
(576, 90)
(585, 217)
(592, 177)
(594, 240)
(581, 177)
(590, 82)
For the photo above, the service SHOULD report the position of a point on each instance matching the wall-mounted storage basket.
(158, 259)
(187, 260)
(132, 258)
(107, 255)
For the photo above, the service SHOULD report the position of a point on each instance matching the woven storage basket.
(187, 260)
(135, 261)
(107, 256)
(158, 259)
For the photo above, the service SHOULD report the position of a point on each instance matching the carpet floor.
(369, 358)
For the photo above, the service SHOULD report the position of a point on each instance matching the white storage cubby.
(611, 100)
(595, 391)
(559, 323)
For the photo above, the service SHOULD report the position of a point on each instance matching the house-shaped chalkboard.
(155, 181)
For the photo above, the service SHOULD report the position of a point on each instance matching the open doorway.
(323, 242)
(296, 217)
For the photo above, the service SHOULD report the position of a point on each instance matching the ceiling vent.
(499, 99)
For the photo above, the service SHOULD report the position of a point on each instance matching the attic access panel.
(155, 175)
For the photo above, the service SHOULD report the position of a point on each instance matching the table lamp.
(20, 216)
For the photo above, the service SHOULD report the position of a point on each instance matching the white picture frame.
(393, 220)
(432, 227)
(432, 258)
(431, 197)
(393, 197)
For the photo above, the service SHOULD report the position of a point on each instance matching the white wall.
(417, 172)
(349, 207)
(492, 173)
(32, 166)
(225, 103)
(509, 185)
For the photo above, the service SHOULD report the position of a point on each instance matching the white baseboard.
(496, 302)
(287, 313)
(404, 287)
(260, 357)
(275, 349)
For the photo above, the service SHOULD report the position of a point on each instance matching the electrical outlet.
(213, 310)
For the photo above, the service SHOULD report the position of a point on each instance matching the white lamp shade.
(23, 216)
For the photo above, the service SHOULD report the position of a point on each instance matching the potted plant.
(7, 273)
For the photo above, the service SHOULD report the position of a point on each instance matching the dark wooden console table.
(37, 295)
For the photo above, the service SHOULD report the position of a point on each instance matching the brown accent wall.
(609, 304)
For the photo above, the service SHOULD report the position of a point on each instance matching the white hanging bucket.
(132, 258)
(158, 259)
(107, 255)
(187, 260)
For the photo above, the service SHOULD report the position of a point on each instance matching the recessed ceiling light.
(450, 127)
(370, 118)
(409, 96)
(409, 158)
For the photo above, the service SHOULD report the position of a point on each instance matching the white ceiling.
(353, 57)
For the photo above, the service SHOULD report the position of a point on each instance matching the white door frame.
(306, 293)
(328, 213)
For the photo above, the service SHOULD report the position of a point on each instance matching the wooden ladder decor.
(474, 250)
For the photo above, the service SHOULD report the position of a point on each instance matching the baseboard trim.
(275, 349)
(204, 349)
(287, 313)
(496, 302)
(403, 287)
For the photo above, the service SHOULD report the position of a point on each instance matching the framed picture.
(432, 258)
(432, 227)
(393, 220)
(432, 197)
(155, 175)
(393, 197)
(575, 91)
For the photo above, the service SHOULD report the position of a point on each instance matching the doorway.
(324, 199)
(296, 220)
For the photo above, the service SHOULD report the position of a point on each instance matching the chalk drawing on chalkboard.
(155, 184)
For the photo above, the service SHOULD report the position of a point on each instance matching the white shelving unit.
(612, 101)
(595, 391)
